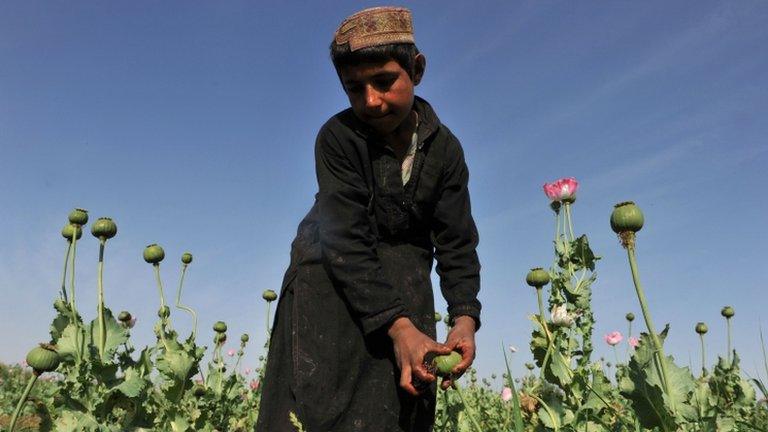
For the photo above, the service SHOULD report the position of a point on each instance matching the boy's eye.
(383, 83)
(354, 88)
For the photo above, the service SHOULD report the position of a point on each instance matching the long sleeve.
(347, 239)
(455, 238)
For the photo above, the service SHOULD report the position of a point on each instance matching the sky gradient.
(192, 125)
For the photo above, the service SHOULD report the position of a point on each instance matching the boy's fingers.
(421, 373)
(405, 380)
(446, 384)
(439, 348)
(467, 356)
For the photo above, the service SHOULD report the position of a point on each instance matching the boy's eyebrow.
(378, 75)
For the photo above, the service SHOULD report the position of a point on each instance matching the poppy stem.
(659, 349)
(100, 301)
(23, 399)
(183, 307)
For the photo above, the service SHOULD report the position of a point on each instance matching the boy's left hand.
(461, 338)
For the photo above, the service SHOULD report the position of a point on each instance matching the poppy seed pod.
(438, 317)
(728, 312)
(244, 338)
(43, 359)
(220, 338)
(70, 229)
(104, 228)
(78, 216)
(626, 217)
(444, 364)
(164, 312)
(186, 258)
(124, 316)
(701, 328)
(220, 327)
(630, 317)
(153, 254)
(269, 295)
(537, 277)
(530, 366)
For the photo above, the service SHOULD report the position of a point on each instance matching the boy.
(355, 318)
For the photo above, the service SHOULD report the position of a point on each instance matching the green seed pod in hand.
(153, 254)
(186, 258)
(537, 277)
(104, 228)
(69, 229)
(444, 364)
(43, 359)
(78, 216)
(269, 295)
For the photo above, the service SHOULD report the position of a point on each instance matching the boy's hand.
(411, 346)
(461, 338)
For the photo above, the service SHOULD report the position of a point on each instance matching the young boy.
(355, 318)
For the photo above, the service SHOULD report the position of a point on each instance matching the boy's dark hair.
(403, 53)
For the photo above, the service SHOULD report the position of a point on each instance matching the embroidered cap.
(375, 26)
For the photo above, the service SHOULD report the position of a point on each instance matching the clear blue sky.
(192, 124)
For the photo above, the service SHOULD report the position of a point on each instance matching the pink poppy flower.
(563, 189)
(231, 353)
(506, 394)
(247, 371)
(254, 384)
(634, 342)
(613, 338)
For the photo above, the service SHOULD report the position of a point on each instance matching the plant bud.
(438, 317)
(244, 338)
(186, 258)
(444, 364)
(537, 277)
(728, 312)
(269, 295)
(626, 217)
(43, 358)
(530, 366)
(701, 328)
(124, 316)
(220, 338)
(78, 217)
(220, 327)
(164, 312)
(153, 254)
(198, 390)
(630, 317)
(60, 305)
(104, 228)
(69, 229)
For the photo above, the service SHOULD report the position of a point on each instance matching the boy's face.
(381, 94)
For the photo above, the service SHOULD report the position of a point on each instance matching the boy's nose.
(372, 97)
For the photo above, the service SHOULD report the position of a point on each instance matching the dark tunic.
(361, 258)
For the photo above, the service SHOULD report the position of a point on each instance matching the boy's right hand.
(411, 346)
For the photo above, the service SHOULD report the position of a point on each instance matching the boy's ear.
(419, 65)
